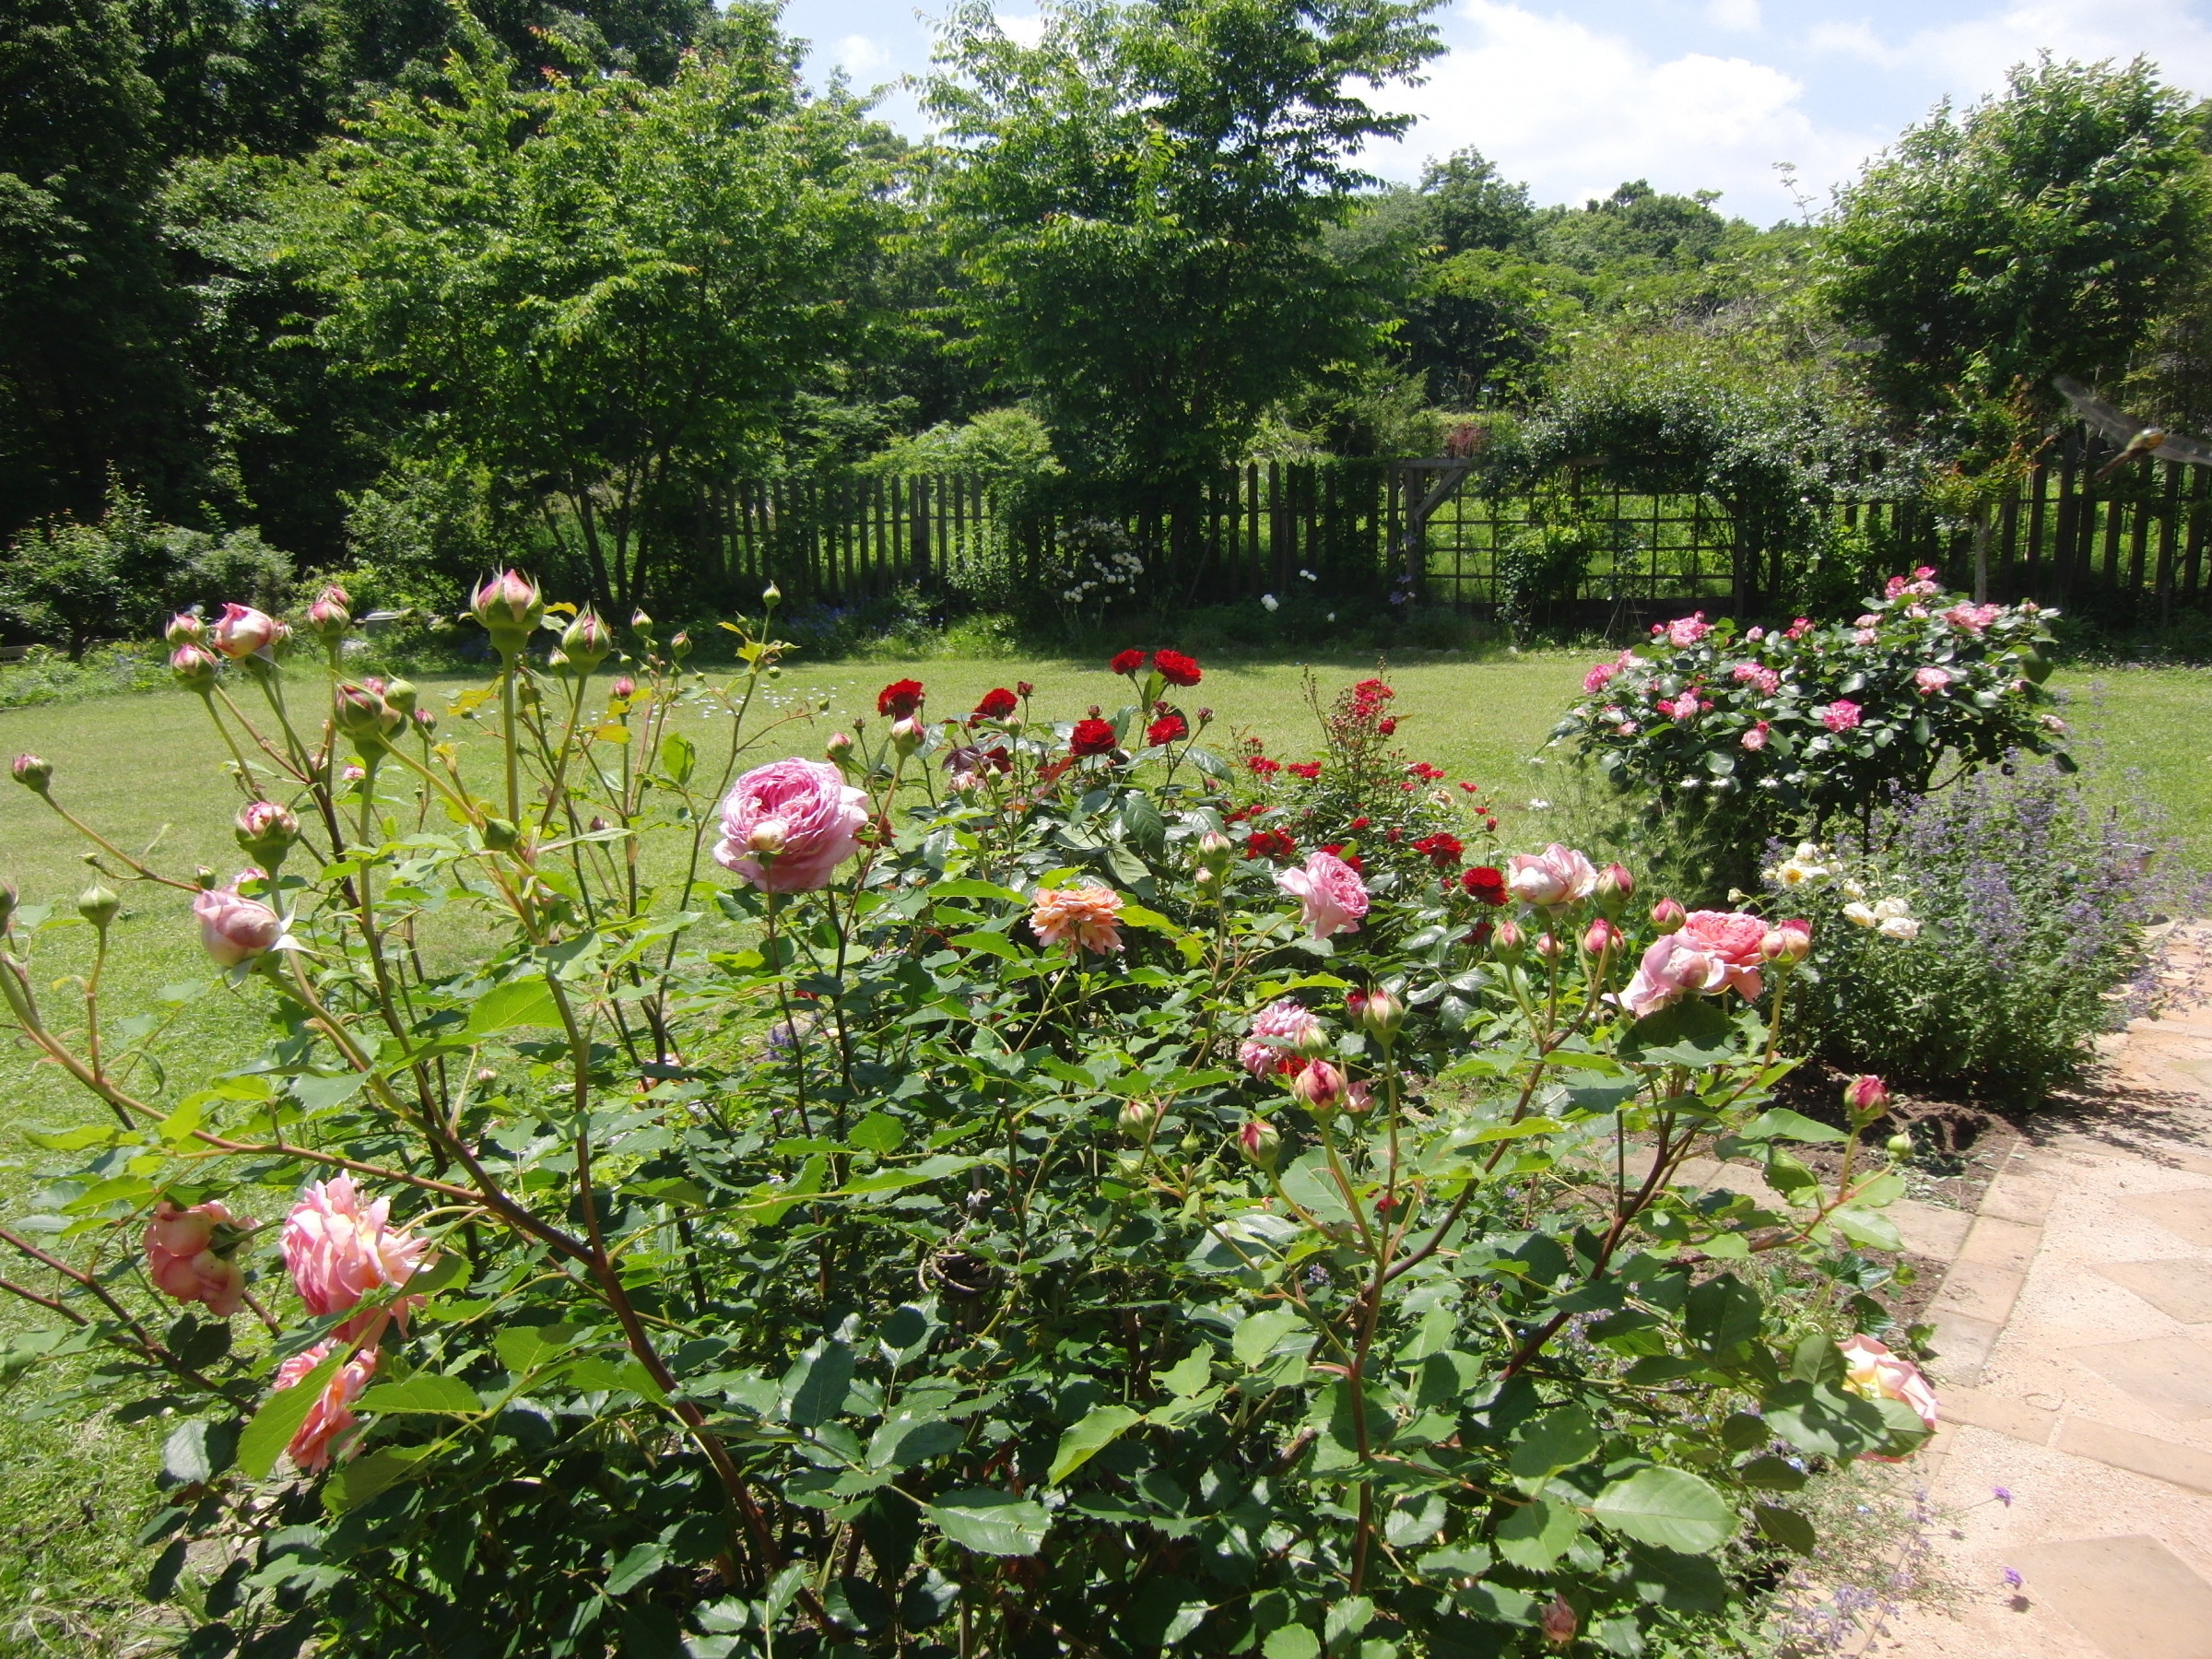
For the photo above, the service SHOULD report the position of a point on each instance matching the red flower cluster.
(1369, 695)
(1270, 843)
(998, 704)
(1166, 729)
(1387, 727)
(1176, 668)
(1486, 882)
(899, 698)
(1425, 773)
(1309, 769)
(1443, 850)
(1125, 662)
(1091, 737)
(1262, 767)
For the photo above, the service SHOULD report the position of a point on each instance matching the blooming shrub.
(1014, 1223)
(1818, 722)
(1984, 935)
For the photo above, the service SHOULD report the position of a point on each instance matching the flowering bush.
(1817, 722)
(1984, 935)
(1010, 1222)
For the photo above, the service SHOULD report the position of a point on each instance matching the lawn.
(144, 769)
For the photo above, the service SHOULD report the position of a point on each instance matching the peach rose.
(1083, 918)
(1872, 1373)
(188, 1255)
(331, 1416)
(339, 1249)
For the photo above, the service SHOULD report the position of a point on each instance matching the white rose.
(1900, 928)
(1863, 914)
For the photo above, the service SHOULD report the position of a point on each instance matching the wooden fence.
(1341, 528)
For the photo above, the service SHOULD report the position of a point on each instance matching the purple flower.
(2003, 1495)
(2013, 1580)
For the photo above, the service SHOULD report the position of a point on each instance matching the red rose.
(1309, 771)
(1166, 729)
(997, 705)
(1270, 843)
(1126, 662)
(1264, 767)
(1387, 727)
(1360, 823)
(899, 698)
(1091, 737)
(1443, 850)
(1176, 668)
(1487, 882)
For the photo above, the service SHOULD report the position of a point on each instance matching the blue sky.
(1691, 94)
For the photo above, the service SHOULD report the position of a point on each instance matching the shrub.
(1815, 723)
(1979, 933)
(941, 1196)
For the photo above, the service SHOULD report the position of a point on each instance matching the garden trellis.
(2139, 539)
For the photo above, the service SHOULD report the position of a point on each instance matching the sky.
(1689, 94)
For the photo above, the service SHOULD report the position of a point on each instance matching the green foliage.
(1982, 932)
(2039, 235)
(848, 1267)
(1137, 205)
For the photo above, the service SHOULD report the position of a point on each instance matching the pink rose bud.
(587, 641)
(1139, 1118)
(188, 1255)
(242, 632)
(425, 722)
(267, 832)
(194, 668)
(1600, 936)
(33, 773)
(679, 647)
(339, 1246)
(184, 628)
(1559, 1622)
(1615, 888)
(1318, 1088)
(1381, 1015)
(1216, 850)
(235, 929)
(510, 606)
(624, 689)
(1865, 1096)
(1506, 942)
(360, 711)
(840, 750)
(906, 735)
(1549, 948)
(1790, 941)
(1668, 915)
(1259, 1142)
(328, 617)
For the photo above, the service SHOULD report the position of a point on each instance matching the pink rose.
(1334, 896)
(1842, 715)
(1930, 680)
(1756, 673)
(787, 825)
(1670, 968)
(1685, 631)
(1596, 678)
(1756, 738)
(235, 929)
(1865, 636)
(1087, 918)
(1555, 875)
(187, 1256)
(1733, 940)
(1973, 618)
(242, 632)
(1872, 1373)
(339, 1249)
(331, 1416)
(1684, 708)
(1799, 628)
(1278, 1031)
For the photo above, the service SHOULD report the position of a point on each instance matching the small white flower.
(1852, 890)
(1900, 928)
(1537, 806)
(1890, 910)
(1309, 576)
(1271, 602)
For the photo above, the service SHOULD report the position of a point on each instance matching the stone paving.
(2072, 1479)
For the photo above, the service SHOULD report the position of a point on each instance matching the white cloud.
(863, 58)
(1739, 15)
(1975, 54)
(1575, 111)
(1026, 31)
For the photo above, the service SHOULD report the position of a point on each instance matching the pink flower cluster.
(1973, 618)
(188, 1255)
(1278, 1032)
(1756, 674)
(1683, 709)
(1930, 680)
(1842, 716)
(1921, 582)
(1683, 631)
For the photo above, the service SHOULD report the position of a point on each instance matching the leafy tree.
(1470, 204)
(2040, 233)
(1138, 201)
(604, 294)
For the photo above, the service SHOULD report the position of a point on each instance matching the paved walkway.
(2073, 1331)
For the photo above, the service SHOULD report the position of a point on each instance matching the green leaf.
(1537, 1534)
(1689, 1583)
(424, 1391)
(1190, 1373)
(318, 1093)
(642, 1561)
(198, 1451)
(1692, 1032)
(1785, 1527)
(1771, 1473)
(1557, 1440)
(1869, 1228)
(991, 1522)
(1291, 1641)
(905, 1441)
(280, 1417)
(1258, 1334)
(526, 1349)
(1782, 1123)
(878, 1132)
(813, 1389)
(523, 1002)
(679, 754)
(1825, 1421)
(1100, 1427)
(1671, 1508)
(355, 1483)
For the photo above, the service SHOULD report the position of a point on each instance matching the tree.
(1470, 204)
(1138, 202)
(2041, 233)
(604, 294)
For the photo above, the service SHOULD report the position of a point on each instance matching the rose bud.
(1559, 1622)
(267, 832)
(588, 641)
(510, 606)
(1139, 1118)
(767, 838)
(1865, 1096)
(361, 712)
(194, 668)
(235, 929)
(425, 722)
(33, 773)
(1668, 915)
(499, 835)
(1506, 943)
(1215, 851)
(1549, 948)
(1615, 888)
(9, 900)
(98, 905)
(328, 619)
(679, 647)
(1382, 1016)
(1900, 1146)
(1310, 1041)
(906, 735)
(184, 628)
(840, 750)
(1259, 1142)
(1318, 1088)
(1600, 936)
(399, 696)
(242, 632)
(624, 689)
(640, 624)
(1790, 941)
(772, 595)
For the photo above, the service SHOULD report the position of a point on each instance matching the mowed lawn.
(146, 772)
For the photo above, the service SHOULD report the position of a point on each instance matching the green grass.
(146, 772)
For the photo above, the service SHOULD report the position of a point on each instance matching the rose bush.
(1037, 1230)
